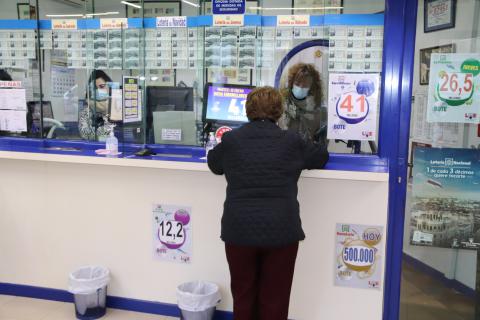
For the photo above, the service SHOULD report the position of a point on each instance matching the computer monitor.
(225, 103)
(34, 110)
(167, 99)
(170, 98)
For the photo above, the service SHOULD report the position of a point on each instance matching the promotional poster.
(445, 204)
(352, 106)
(359, 254)
(172, 233)
(227, 103)
(453, 94)
(131, 106)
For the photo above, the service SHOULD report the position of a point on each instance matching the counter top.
(171, 158)
(177, 165)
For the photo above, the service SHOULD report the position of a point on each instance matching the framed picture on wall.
(25, 11)
(439, 15)
(425, 55)
(250, 9)
(154, 9)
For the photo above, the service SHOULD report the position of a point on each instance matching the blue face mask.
(98, 94)
(299, 92)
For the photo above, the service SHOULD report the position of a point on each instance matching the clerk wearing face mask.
(91, 123)
(303, 98)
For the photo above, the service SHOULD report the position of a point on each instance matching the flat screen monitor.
(167, 99)
(226, 103)
(34, 110)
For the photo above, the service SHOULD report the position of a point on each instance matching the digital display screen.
(227, 103)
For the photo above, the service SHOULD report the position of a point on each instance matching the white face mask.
(299, 92)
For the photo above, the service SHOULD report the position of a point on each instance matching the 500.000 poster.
(352, 106)
(359, 252)
(445, 209)
(453, 94)
(172, 233)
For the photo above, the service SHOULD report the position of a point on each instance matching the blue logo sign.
(228, 6)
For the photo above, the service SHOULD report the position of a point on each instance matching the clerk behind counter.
(91, 123)
(303, 98)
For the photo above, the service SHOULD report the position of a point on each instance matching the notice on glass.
(358, 256)
(13, 120)
(172, 134)
(445, 198)
(131, 106)
(439, 12)
(172, 233)
(13, 99)
(453, 94)
(352, 106)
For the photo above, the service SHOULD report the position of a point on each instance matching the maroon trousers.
(261, 281)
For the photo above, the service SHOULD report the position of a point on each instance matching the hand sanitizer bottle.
(112, 143)
(211, 143)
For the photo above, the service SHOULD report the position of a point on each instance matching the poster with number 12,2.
(453, 93)
(353, 106)
(172, 233)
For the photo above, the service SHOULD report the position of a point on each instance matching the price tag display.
(352, 106)
(453, 88)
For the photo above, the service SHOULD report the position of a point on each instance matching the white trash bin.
(89, 287)
(198, 300)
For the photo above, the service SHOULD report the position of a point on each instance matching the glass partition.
(153, 71)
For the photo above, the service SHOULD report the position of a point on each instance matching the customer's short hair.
(264, 103)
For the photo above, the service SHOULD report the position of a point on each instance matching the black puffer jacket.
(262, 164)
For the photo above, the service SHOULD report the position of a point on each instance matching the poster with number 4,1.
(353, 106)
(453, 93)
(172, 233)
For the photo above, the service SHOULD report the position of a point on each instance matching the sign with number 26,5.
(352, 106)
(454, 84)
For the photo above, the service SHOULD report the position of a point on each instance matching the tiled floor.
(425, 298)
(17, 308)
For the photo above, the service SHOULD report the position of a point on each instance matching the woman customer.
(261, 225)
(91, 123)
